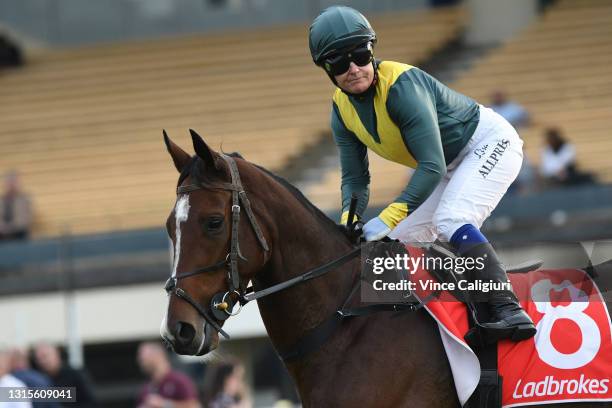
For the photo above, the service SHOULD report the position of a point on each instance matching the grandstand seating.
(83, 126)
(558, 68)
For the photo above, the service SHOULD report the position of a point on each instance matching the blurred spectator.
(15, 210)
(20, 368)
(511, 111)
(525, 182)
(167, 388)
(10, 54)
(48, 359)
(558, 162)
(224, 386)
(8, 380)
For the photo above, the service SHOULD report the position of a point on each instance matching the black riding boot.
(507, 319)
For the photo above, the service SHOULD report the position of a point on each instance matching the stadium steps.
(454, 59)
(83, 125)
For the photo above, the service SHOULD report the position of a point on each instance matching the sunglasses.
(339, 63)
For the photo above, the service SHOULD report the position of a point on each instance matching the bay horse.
(380, 360)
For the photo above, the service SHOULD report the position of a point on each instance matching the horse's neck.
(301, 242)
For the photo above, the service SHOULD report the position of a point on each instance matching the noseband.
(222, 303)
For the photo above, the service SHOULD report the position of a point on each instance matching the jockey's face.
(357, 79)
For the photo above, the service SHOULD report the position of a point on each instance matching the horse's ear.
(179, 156)
(203, 151)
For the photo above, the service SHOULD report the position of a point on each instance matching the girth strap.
(318, 335)
(315, 337)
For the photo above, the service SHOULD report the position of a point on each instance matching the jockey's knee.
(446, 226)
(407, 234)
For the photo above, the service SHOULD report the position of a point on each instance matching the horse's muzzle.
(186, 340)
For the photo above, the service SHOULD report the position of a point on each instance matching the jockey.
(465, 155)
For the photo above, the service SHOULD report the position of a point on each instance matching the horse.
(391, 359)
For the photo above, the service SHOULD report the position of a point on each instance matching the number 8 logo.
(591, 336)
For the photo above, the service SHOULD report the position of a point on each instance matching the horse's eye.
(214, 224)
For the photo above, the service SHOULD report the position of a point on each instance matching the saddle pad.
(569, 359)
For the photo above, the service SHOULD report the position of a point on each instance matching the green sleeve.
(412, 108)
(353, 162)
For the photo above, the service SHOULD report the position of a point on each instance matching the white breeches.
(474, 183)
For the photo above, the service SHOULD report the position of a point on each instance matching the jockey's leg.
(489, 164)
(418, 227)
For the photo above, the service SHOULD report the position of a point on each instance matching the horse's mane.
(195, 170)
(314, 210)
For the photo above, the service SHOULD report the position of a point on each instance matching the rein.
(222, 303)
(313, 273)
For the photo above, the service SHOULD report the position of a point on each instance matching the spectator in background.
(167, 388)
(15, 210)
(48, 359)
(558, 161)
(10, 54)
(224, 386)
(511, 111)
(20, 368)
(8, 380)
(527, 180)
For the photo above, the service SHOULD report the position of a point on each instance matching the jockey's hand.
(375, 229)
(379, 227)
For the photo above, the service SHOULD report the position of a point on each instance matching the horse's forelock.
(199, 172)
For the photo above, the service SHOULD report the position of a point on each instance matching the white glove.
(375, 229)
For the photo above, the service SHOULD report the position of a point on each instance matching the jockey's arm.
(354, 166)
(411, 107)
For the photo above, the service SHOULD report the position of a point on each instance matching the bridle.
(223, 303)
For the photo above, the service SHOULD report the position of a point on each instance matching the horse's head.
(209, 272)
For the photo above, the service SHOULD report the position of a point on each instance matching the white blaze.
(181, 212)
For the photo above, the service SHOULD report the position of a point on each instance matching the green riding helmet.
(337, 28)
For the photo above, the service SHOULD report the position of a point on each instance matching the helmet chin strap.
(367, 91)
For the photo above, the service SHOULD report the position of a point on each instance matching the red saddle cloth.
(569, 359)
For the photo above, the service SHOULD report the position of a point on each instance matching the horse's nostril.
(184, 333)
